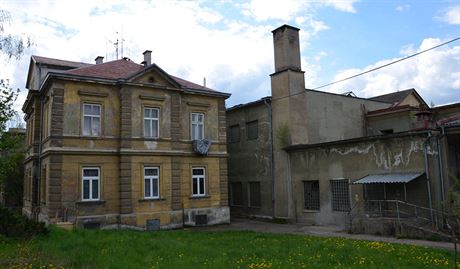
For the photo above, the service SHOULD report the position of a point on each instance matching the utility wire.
(388, 64)
(373, 69)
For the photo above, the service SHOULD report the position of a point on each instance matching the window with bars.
(151, 122)
(151, 182)
(236, 193)
(197, 126)
(198, 181)
(91, 119)
(311, 194)
(90, 182)
(234, 133)
(340, 195)
(252, 130)
(254, 194)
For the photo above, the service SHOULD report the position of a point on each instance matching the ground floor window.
(254, 194)
(198, 181)
(311, 194)
(90, 182)
(340, 195)
(151, 182)
(236, 193)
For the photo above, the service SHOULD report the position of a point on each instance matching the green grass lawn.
(197, 249)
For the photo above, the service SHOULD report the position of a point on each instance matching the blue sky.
(230, 42)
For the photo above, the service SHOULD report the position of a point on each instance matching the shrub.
(15, 225)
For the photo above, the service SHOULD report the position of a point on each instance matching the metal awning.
(389, 178)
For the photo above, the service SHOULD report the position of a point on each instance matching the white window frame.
(90, 179)
(151, 179)
(152, 121)
(91, 117)
(198, 124)
(198, 178)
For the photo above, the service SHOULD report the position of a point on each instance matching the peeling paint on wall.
(385, 158)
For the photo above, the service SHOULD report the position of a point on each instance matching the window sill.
(199, 197)
(98, 202)
(254, 207)
(151, 199)
(310, 211)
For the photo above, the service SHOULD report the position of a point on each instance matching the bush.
(15, 225)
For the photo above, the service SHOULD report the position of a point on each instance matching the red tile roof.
(124, 69)
(118, 69)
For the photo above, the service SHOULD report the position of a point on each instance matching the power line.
(388, 64)
(373, 69)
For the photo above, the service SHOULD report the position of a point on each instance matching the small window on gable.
(252, 130)
(234, 133)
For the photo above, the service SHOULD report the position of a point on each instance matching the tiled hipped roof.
(123, 69)
(118, 69)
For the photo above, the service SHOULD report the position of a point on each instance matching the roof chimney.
(287, 49)
(99, 59)
(147, 57)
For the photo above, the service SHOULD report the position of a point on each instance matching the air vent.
(201, 220)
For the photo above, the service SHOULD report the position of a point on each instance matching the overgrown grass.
(197, 249)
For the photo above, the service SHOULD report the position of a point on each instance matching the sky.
(231, 45)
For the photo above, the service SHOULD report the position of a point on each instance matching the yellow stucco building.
(120, 143)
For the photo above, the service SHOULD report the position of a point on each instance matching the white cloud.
(451, 15)
(401, 8)
(435, 75)
(342, 5)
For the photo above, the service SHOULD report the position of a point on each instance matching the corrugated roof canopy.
(389, 178)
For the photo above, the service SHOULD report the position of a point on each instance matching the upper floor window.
(197, 126)
(252, 130)
(151, 182)
(90, 182)
(198, 181)
(91, 119)
(151, 122)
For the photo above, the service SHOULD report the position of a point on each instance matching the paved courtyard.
(324, 231)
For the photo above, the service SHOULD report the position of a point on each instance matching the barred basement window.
(234, 133)
(340, 195)
(236, 193)
(252, 130)
(254, 194)
(311, 194)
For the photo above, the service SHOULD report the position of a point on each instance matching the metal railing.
(400, 210)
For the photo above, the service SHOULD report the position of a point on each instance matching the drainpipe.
(441, 172)
(39, 173)
(427, 172)
(272, 167)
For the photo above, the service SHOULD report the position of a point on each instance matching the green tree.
(11, 45)
(11, 144)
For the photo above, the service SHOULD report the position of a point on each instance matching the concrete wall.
(354, 160)
(251, 160)
(332, 117)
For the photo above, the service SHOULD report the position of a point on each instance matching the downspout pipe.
(272, 167)
(441, 168)
(427, 173)
(40, 146)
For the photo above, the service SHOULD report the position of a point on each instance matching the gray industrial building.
(320, 158)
